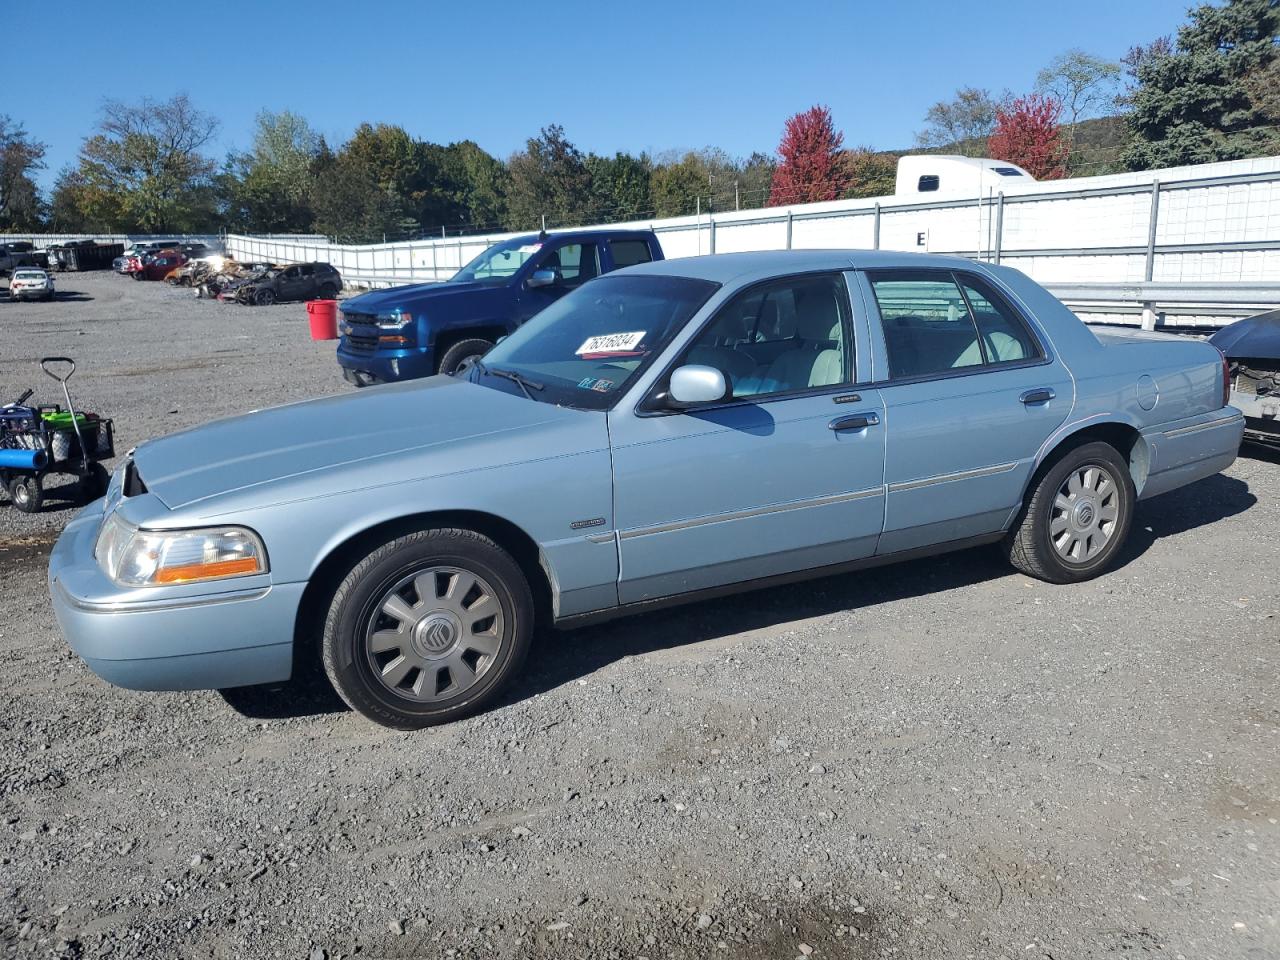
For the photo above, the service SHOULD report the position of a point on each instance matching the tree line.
(1212, 92)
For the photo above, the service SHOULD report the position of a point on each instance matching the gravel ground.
(941, 759)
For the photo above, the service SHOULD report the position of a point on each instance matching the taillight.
(1226, 379)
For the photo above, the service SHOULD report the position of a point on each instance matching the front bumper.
(389, 366)
(236, 637)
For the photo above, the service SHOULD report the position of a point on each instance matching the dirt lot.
(943, 759)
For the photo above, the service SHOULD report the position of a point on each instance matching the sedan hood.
(384, 301)
(326, 438)
(1255, 338)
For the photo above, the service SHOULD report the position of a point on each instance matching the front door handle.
(1039, 395)
(855, 421)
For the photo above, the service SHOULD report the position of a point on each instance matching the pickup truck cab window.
(781, 337)
(627, 253)
(574, 263)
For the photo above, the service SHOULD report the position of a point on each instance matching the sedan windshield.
(498, 263)
(586, 348)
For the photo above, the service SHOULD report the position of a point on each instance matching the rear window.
(627, 253)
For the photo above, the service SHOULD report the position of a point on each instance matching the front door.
(785, 475)
(573, 265)
(972, 395)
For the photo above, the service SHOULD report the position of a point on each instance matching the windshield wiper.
(524, 383)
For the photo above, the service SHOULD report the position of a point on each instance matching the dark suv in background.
(427, 328)
(299, 281)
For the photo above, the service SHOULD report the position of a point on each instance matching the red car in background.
(155, 266)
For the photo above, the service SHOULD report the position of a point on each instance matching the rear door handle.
(855, 421)
(1039, 395)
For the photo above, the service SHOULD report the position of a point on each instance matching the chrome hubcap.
(434, 633)
(1085, 513)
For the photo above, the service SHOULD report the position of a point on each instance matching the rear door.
(973, 391)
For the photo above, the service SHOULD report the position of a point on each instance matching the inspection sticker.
(610, 343)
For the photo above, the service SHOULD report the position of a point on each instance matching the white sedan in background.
(31, 283)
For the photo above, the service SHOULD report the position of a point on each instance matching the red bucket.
(324, 319)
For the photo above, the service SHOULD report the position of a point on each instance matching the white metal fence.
(1212, 223)
(214, 241)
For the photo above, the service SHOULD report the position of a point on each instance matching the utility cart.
(39, 440)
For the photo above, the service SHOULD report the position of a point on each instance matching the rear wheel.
(428, 628)
(457, 360)
(1077, 517)
(26, 492)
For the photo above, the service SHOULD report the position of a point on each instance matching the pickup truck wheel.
(1077, 517)
(457, 360)
(428, 628)
(26, 492)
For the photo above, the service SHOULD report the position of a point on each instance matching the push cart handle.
(44, 365)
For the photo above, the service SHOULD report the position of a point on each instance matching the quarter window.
(928, 183)
(780, 337)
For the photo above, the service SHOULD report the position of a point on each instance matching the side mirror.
(541, 278)
(694, 384)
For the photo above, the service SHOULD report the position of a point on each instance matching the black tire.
(27, 493)
(137, 275)
(460, 356)
(348, 653)
(1031, 546)
(264, 298)
(94, 483)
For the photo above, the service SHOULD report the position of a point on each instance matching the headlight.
(395, 320)
(146, 558)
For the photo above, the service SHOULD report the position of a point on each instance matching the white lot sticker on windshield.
(610, 343)
(529, 248)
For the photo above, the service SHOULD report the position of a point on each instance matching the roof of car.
(724, 267)
(583, 234)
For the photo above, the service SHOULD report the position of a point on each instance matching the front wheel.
(26, 492)
(94, 483)
(428, 628)
(458, 359)
(1077, 517)
(264, 298)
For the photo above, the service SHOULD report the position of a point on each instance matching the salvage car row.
(223, 278)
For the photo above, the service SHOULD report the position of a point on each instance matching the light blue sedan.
(664, 433)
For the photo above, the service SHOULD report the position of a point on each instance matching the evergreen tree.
(1192, 104)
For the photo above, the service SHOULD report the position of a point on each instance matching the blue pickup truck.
(429, 328)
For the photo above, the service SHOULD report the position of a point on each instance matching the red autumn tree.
(1027, 133)
(808, 159)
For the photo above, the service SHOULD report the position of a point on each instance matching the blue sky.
(645, 76)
